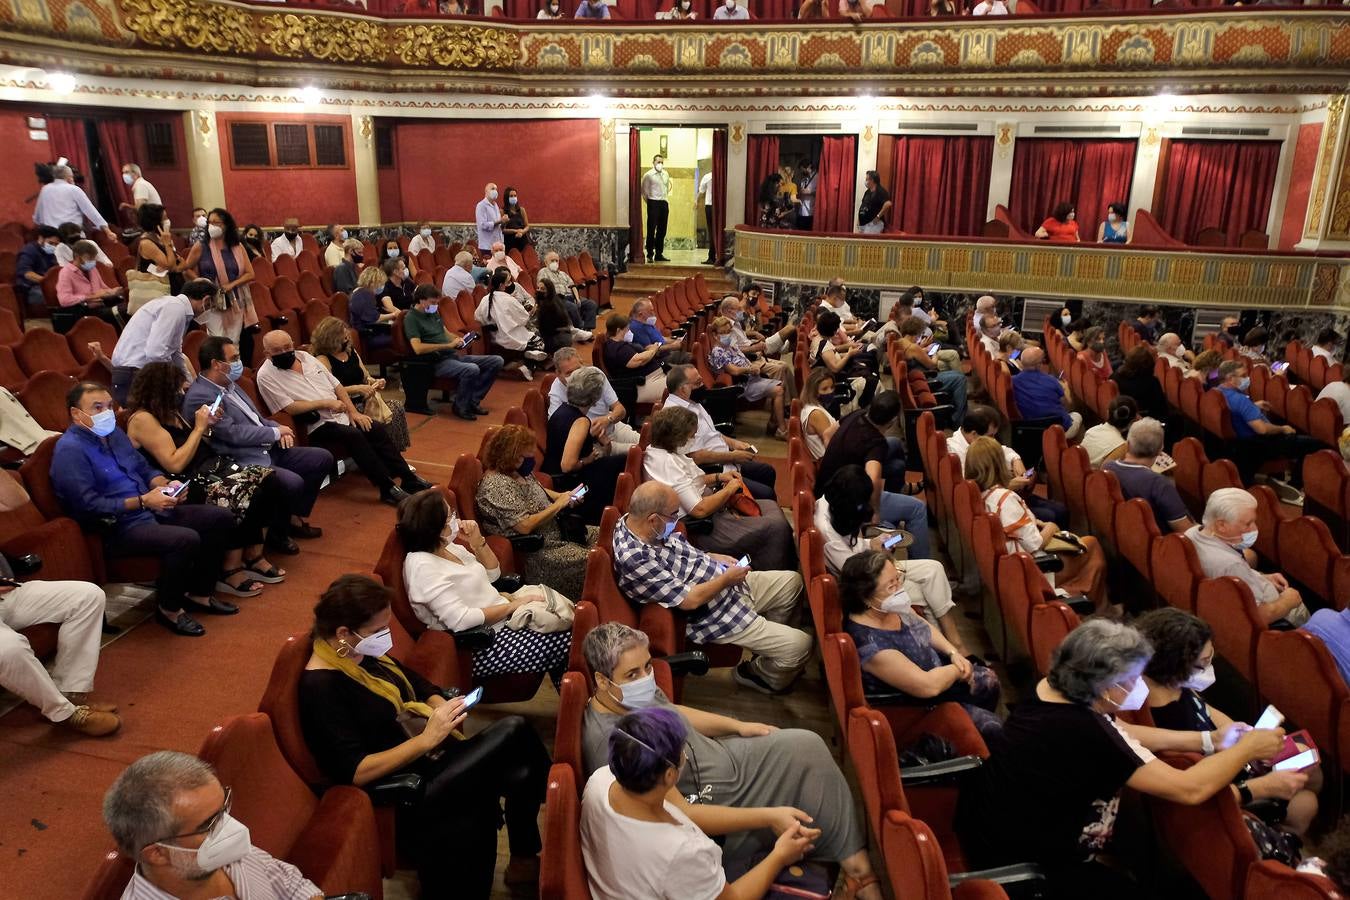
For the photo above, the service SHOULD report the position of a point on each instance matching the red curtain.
(1088, 174)
(636, 236)
(940, 185)
(1215, 184)
(68, 139)
(115, 150)
(719, 189)
(761, 161)
(834, 184)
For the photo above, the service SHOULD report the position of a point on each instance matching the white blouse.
(509, 315)
(1019, 525)
(680, 473)
(814, 442)
(448, 597)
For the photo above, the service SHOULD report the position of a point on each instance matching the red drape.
(68, 139)
(761, 161)
(719, 189)
(940, 185)
(834, 184)
(636, 250)
(115, 150)
(1089, 174)
(1215, 184)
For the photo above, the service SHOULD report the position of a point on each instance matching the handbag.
(573, 527)
(799, 881)
(744, 505)
(142, 287)
(377, 409)
(1274, 843)
(1065, 542)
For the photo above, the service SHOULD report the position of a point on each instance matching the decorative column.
(618, 178)
(1000, 171)
(364, 167)
(736, 164)
(609, 173)
(867, 161)
(1327, 226)
(1146, 156)
(203, 158)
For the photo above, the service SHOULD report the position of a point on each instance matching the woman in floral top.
(727, 357)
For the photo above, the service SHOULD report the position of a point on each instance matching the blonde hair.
(327, 336)
(985, 464)
(372, 277)
(811, 390)
(719, 323)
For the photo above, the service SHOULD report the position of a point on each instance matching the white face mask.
(638, 694)
(658, 166)
(378, 644)
(899, 602)
(128, 178)
(215, 231)
(165, 224)
(492, 195)
(628, 337)
(1135, 698)
(227, 843)
(1202, 680)
(426, 232)
(201, 221)
(451, 530)
(553, 266)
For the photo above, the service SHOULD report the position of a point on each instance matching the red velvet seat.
(657, 622)
(1050, 624)
(44, 396)
(1075, 466)
(562, 870)
(1053, 446)
(1299, 676)
(11, 328)
(1227, 605)
(91, 328)
(915, 868)
(12, 376)
(1136, 531)
(1102, 493)
(1270, 880)
(1178, 571)
(46, 351)
(310, 288)
(1306, 553)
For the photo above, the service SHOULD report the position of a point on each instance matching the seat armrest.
(939, 772)
(405, 789)
(509, 584)
(479, 638)
(690, 662)
(1080, 603)
(526, 543)
(1047, 562)
(1017, 873)
(698, 526)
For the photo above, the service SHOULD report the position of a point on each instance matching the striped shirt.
(664, 573)
(258, 876)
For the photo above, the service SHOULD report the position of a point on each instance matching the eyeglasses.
(206, 827)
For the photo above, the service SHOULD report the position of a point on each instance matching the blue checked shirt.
(664, 573)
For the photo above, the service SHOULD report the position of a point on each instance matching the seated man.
(103, 483)
(1258, 439)
(580, 310)
(425, 239)
(730, 604)
(984, 421)
(1041, 395)
(861, 439)
(624, 360)
(1136, 476)
(462, 276)
(592, 9)
(499, 259)
(1230, 330)
(607, 415)
(344, 271)
(35, 259)
(989, 328)
(288, 243)
(1222, 541)
(430, 341)
(1339, 393)
(293, 382)
(770, 347)
(643, 324)
(1174, 353)
(1146, 324)
(75, 606)
(242, 434)
(1325, 345)
(169, 814)
(730, 9)
(336, 251)
(711, 447)
(834, 301)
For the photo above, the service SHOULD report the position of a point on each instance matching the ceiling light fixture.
(310, 95)
(61, 82)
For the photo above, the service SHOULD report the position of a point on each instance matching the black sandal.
(271, 574)
(912, 487)
(250, 587)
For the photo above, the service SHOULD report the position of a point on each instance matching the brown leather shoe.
(93, 722)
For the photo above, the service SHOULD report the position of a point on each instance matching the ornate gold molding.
(1326, 156)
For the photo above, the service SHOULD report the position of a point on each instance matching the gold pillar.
(203, 158)
(609, 194)
(367, 175)
(1328, 222)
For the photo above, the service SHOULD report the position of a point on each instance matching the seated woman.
(743, 765)
(555, 327)
(1136, 379)
(1182, 666)
(369, 312)
(399, 286)
(915, 350)
(511, 501)
(1253, 347)
(573, 455)
(1062, 226)
(451, 589)
(818, 426)
(766, 538)
(80, 287)
(624, 360)
(1084, 573)
(331, 345)
(1116, 228)
(840, 516)
(253, 242)
(899, 652)
(727, 358)
(257, 498)
(1050, 793)
(1074, 333)
(1105, 441)
(390, 249)
(844, 358)
(352, 695)
(1094, 353)
(1206, 368)
(1009, 343)
(507, 322)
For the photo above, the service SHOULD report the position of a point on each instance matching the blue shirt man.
(1040, 395)
(488, 218)
(35, 259)
(645, 333)
(95, 476)
(592, 9)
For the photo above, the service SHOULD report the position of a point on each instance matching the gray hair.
(562, 354)
(584, 387)
(644, 303)
(1225, 505)
(726, 304)
(462, 257)
(138, 808)
(62, 172)
(609, 641)
(1093, 657)
(649, 497)
(85, 248)
(135, 169)
(1145, 437)
(986, 303)
(1170, 339)
(1230, 366)
(677, 377)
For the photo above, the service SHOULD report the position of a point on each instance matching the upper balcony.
(1073, 52)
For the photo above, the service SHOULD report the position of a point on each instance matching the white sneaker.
(536, 355)
(525, 374)
(582, 336)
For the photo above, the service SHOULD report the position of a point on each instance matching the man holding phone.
(155, 333)
(445, 356)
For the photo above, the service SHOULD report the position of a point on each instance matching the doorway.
(688, 163)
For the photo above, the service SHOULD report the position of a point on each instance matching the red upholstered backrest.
(464, 480)
(281, 703)
(1050, 624)
(110, 879)
(914, 860)
(843, 676)
(871, 746)
(1103, 494)
(44, 396)
(1210, 838)
(573, 694)
(1075, 465)
(1136, 529)
(37, 478)
(1177, 570)
(1270, 880)
(91, 328)
(42, 349)
(1298, 674)
(1227, 605)
(1053, 445)
(562, 870)
(1306, 552)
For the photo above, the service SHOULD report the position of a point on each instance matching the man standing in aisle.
(63, 201)
(656, 195)
(806, 193)
(142, 191)
(488, 218)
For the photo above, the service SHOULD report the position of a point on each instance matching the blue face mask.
(667, 530)
(103, 423)
(1244, 383)
(236, 370)
(725, 340)
(526, 467)
(433, 309)
(1248, 540)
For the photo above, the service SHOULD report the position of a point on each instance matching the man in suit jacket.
(244, 435)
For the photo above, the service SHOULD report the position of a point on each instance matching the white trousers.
(872, 227)
(621, 437)
(925, 580)
(77, 607)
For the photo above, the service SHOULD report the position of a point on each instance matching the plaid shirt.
(664, 573)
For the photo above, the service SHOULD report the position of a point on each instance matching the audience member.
(915, 350)
(1051, 793)
(61, 200)
(753, 343)
(242, 434)
(32, 264)
(170, 816)
(818, 426)
(345, 269)
(1226, 532)
(352, 696)
(288, 243)
(855, 10)
(574, 453)
(551, 317)
(984, 421)
(81, 289)
(1105, 441)
(221, 258)
(253, 241)
(369, 311)
(106, 486)
(729, 603)
(506, 320)
(76, 608)
(462, 276)
(399, 286)
(142, 191)
(646, 332)
(742, 765)
(499, 260)
(1040, 395)
(845, 358)
(1146, 324)
(990, 8)
(1325, 345)
(155, 333)
(336, 250)
(473, 375)
(1136, 379)
(1230, 329)
(331, 345)
(875, 205)
(642, 841)
(550, 10)
(1094, 354)
(711, 447)
(156, 257)
(726, 359)
(198, 232)
(1172, 351)
(656, 189)
(1116, 227)
(1062, 226)
(488, 216)
(607, 415)
(581, 310)
(989, 328)
(899, 652)
(1084, 572)
(627, 363)
(1139, 480)
(391, 249)
(592, 9)
(1259, 441)
(1182, 666)
(424, 240)
(1253, 347)
(451, 588)
(1010, 347)
(1339, 391)
(516, 228)
(1074, 333)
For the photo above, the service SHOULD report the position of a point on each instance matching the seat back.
(871, 746)
(281, 703)
(1053, 446)
(914, 864)
(1189, 455)
(464, 478)
(1174, 561)
(573, 694)
(1227, 605)
(1271, 880)
(1136, 531)
(601, 589)
(111, 878)
(1075, 467)
(1306, 552)
(1219, 473)
(1298, 674)
(87, 329)
(1209, 838)
(43, 350)
(843, 676)
(562, 869)
(1050, 624)
(1103, 495)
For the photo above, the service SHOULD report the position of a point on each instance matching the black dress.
(515, 219)
(601, 476)
(1146, 392)
(460, 813)
(353, 372)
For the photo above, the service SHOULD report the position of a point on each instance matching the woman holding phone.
(352, 698)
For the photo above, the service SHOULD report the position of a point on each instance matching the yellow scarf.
(375, 685)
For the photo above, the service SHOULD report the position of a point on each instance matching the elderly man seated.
(334, 252)
(646, 331)
(293, 382)
(170, 815)
(771, 346)
(1223, 542)
(607, 415)
(288, 243)
(580, 310)
(1138, 478)
(350, 255)
(1040, 395)
(1175, 354)
(711, 447)
(462, 276)
(727, 603)
(499, 260)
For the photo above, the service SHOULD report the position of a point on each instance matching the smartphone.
(743, 561)
(754, 449)
(471, 698)
(891, 542)
(1277, 368)
(1270, 718)
(10, 582)
(470, 338)
(1015, 354)
(933, 350)
(1298, 762)
(215, 407)
(580, 492)
(174, 492)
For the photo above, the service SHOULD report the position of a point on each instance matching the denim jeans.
(474, 375)
(910, 513)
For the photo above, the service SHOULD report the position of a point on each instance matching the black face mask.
(357, 257)
(292, 234)
(284, 360)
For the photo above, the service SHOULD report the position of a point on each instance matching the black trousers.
(658, 212)
(269, 508)
(712, 236)
(1249, 454)
(373, 450)
(190, 542)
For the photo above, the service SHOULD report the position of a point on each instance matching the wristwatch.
(1207, 743)
(1244, 793)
